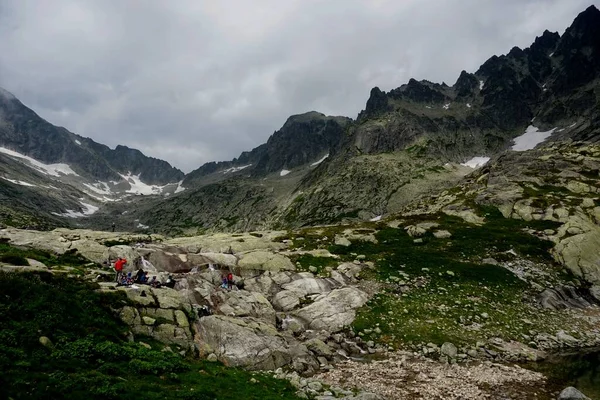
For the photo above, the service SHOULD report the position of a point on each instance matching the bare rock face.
(169, 262)
(265, 261)
(248, 343)
(579, 253)
(334, 310)
(571, 393)
(241, 303)
(262, 284)
(311, 285)
(563, 297)
(286, 300)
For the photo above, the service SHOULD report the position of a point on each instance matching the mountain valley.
(442, 244)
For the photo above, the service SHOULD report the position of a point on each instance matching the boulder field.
(273, 316)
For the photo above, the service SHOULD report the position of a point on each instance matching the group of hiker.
(141, 277)
(227, 281)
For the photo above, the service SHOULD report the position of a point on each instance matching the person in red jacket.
(119, 264)
(230, 281)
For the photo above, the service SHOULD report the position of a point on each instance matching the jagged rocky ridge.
(410, 141)
(407, 143)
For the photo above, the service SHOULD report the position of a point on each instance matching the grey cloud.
(192, 81)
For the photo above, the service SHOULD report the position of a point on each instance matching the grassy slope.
(449, 285)
(92, 358)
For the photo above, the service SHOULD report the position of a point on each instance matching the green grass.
(92, 358)
(305, 261)
(450, 285)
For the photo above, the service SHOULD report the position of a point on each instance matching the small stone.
(562, 336)
(148, 320)
(417, 241)
(571, 393)
(46, 342)
(489, 261)
(315, 385)
(212, 357)
(442, 234)
(425, 269)
(449, 349)
(312, 269)
(450, 273)
(146, 345)
(485, 315)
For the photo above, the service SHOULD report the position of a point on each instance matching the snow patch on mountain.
(320, 161)
(481, 84)
(47, 169)
(476, 162)
(234, 169)
(78, 142)
(142, 226)
(17, 182)
(179, 188)
(139, 187)
(98, 187)
(87, 209)
(284, 172)
(531, 138)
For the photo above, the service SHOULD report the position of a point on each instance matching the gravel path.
(405, 377)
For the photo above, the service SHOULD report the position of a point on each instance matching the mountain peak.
(5, 94)
(307, 116)
(587, 22)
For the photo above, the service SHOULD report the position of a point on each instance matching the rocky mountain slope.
(50, 176)
(303, 139)
(413, 141)
(23, 131)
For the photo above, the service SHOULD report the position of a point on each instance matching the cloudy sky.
(191, 81)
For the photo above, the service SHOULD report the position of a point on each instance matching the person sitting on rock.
(170, 283)
(138, 275)
(154, 282)
(144, 278)
(129, 279)
(224, 282)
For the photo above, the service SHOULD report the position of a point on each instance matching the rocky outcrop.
(571, 393)
(241, 303)
(579, 252)
(159, 313)
(566, 297)
(305, 284)
(247, 342)
(332, 311)
(265, 261)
